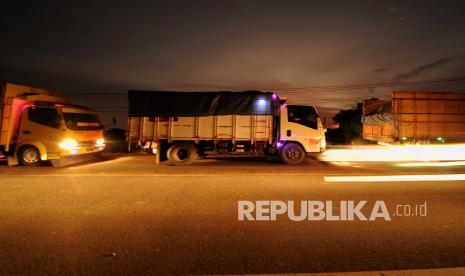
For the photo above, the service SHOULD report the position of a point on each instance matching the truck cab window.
(303, 115)
(44, 116)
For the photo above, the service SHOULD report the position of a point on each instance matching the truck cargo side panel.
(205, 127)
(243, 127)
(183, 128)
(426, 116)
(222, 127)
(381, 133)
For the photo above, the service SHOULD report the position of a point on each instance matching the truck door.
(302, 124)
(41, 126)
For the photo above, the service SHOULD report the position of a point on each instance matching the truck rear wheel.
(181, 154)
(292, 154)
(29, 156)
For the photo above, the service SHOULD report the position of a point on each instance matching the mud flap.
(74, 159)
(12, 160)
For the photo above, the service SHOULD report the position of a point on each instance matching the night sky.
(327, 53)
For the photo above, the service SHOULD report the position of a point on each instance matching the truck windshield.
(82, 121)
(303, 115)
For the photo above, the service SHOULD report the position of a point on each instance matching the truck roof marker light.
(261, 105)
(261, 102)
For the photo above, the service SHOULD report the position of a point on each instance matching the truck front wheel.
(292, 154)
(181, 154)
(29, 156)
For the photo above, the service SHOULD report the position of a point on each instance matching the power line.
(325, 88)
(368, 85)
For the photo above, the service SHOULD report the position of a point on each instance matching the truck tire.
(181, 154)
(292, 154)
(29, 156)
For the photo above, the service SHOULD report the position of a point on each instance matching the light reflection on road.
(398, 153)
(395, 178)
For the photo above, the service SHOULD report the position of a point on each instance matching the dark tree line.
(350, 126)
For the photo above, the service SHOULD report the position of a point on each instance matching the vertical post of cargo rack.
(170, 127)
(234, 129)
(215, 129)
(196, 129)
(155, 129)
(141, 129)
(155, 140)
(253, 128)
(268, 129)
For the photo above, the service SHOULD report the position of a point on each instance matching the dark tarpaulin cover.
(164, 103)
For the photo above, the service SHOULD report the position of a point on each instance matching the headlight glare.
(68, 144)
(100, 142)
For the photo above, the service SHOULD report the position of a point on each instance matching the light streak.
(432, 164)
(396, 178)
(453, 152)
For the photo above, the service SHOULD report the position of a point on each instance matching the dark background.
(328, 53)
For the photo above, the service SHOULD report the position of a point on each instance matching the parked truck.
(184, 125)
(415, 118)
(38, 125)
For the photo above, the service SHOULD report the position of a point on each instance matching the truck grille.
(86, 143)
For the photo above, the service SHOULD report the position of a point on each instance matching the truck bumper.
(76, 152)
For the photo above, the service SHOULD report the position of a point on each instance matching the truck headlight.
(100, 142)
(68, 144)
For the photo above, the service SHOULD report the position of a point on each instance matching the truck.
(181, 126)
(415, 118)
(37, 125)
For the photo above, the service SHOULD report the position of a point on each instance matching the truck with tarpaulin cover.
(415, 118)
(181, 126)
(38, 125)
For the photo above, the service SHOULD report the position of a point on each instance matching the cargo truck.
(415, 118)
(38, 125)
(181, 126)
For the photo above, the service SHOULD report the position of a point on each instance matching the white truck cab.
(302, 124)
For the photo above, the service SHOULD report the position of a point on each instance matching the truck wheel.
(181, 154)
(29, 156)
(292, 154)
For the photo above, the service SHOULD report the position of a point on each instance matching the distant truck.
(38, 125)
(183, 125)
(415, 117)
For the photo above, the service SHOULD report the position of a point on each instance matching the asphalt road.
(126, 215)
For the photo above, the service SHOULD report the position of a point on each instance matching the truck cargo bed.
(419, 117)
(212, 128)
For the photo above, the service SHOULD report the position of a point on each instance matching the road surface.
(126, 215)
